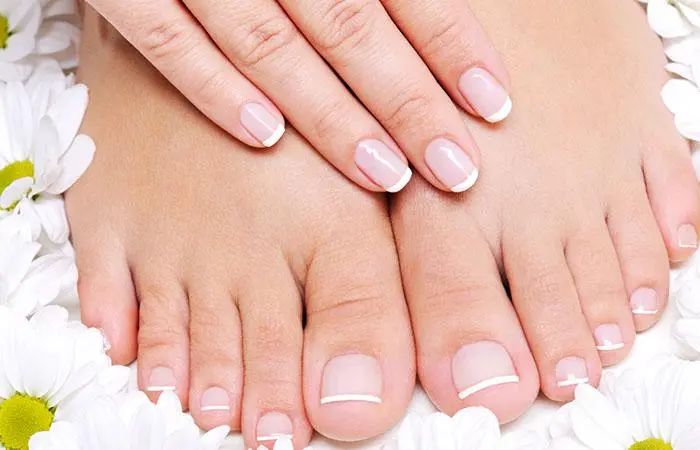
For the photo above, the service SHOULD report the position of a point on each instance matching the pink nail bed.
(687, 236)
(352, 378)
(215, 399)
(485, 94)
(644, 302)
(261, 123)
(608, 337)
(481, 365)
(571, 371)
(273, 426)
(382, 165)
(161, 379)
(451, 165)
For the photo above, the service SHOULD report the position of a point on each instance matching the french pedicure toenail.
(382, 165)
(262, 124)
(608, 337)
(162, 379)
(481, 365)
(485, 94)
(215, 399)
(644, 302)
(273, 426)
(451, 165)
(352, 378)
(687, 236)
(571, 371)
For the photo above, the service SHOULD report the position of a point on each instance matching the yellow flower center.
(15, 171)
(21, 417)
(651, 444)
(4, 31)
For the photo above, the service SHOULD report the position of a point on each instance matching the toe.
(471, 348)
(359, 369)
(163, 341)
(673, 192)
(271, 316)
(107, 298)
(596, 272)
(216, 367)
(642, 256)
(545, 298)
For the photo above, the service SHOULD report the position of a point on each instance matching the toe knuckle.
(408, 107)
(347, 24)
(261, 39)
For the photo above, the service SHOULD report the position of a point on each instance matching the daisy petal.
(74, 162)
(52, 214)
(666, 20)
(67, 113)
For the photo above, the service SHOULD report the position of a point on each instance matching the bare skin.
(209, 256)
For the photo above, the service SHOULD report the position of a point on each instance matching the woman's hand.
(360, 79)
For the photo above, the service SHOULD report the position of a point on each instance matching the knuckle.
(261, 39)
(444, 37)
(329, 120)
(207, 89)
(409, 106)
(159, 335)
(348, 23)
(444, 300)
(164, 40)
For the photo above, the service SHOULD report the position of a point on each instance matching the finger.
(357, 37)
(169, 37)
(264, 44)
(455, 46)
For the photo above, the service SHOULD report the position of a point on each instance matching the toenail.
(273, 426)
(571, 371)
(451, 165)
(608, 337)
(644, 302)
(352, 378)
(161, 379)
(215, 399)
(382, 165)
(687, 236)
(478, 366)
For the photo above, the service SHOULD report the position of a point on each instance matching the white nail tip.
(274, 437)
(502, 113)
(644, 312)
(572, 381)
(216, 408)
(469, 182)
(160, 388)
(350, 398)
(405, 178)
(495, 381)
(609, 346)
(276, 136)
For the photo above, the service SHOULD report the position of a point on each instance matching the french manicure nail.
(644, 302)
(608, 337)
(162, 379)
(571, 371)
(451, 165)
(273, 426)
(262, 124)
(687, 236)
(215, 399)
(352, 378)
(485, 94)
(382, 165)
(481, 365)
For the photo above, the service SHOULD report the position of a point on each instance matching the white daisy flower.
(652, 408)
(673, 18)
(131, 422)
(682, 98)
(41, 154)
(474, 428)
(51, 370)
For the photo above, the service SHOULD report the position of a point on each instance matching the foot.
(208, 256)
(586, 191)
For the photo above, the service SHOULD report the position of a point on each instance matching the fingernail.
(273, 426)
(687, 236)
(382, 165)
(215, 399)
(644, 302)
(571, 371)
(352, 378)
(608, 337)
(479, 366)
(485, 94)
(451, 165)
(161, 379)
(262, 124)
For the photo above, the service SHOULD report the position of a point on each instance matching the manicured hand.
(367, 82)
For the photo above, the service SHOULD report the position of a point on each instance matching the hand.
(360, 79)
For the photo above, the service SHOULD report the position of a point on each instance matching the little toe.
(596, 272)
(359, 364)
(271, 316)
(471, 348)
(675, 199)
(216, 367)
(545, 298)
(642, 256)
(163, 336)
